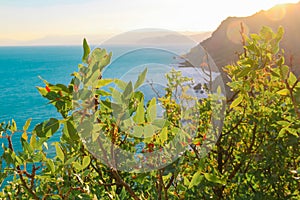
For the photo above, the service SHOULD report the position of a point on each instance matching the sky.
(48, 20)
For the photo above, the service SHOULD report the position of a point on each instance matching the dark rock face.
(225, 43)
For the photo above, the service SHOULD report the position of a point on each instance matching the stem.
(120, 181)
(20, 172)
(160, 185)
(242, 32)
(296, 108)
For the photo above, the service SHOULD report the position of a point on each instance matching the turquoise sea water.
(19, 71)
(20, 68)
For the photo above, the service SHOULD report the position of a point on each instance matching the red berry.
(75, 88)
(47, 88)
(150, 146)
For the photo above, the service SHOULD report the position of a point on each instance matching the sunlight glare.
(277, 13)
(234, 31)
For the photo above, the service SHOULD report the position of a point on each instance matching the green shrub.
(256, 156)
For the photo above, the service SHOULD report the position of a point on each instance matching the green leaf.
(266, 33)
(284, 123)
(139, 117)
(51, 165)
(70, 161)
(98, 60)
(128, 91)
(214, 179)
(56, 196)
(27, 124)
(151, 110)
(45, 144)
(96, 131)
(26, 146)
(105, 61)
(160, 123)
(116, 95)
(149, 130)
(19, 161)
(292, 79)
(92, 77)
(85, 162)
(284, 71)
(186, 181)
(237, 101)
(244, 72)
(121, 84)
(126, 122)
(86, 51)
(104, 82)
(71, 131)
(138, 131)
(42, 91)
(297, 95)
(141, 79)
(282, 132)
(280, 33)
(292, 131)
(47, 128)
(13, 127)
(77, 165)
(196, 179)
(24, 135)
(255, 36)
(102, 93)
(283, 92)
(59, 152)
(163, 136)
(33, 142)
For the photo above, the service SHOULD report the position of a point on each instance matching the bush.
(256, 155)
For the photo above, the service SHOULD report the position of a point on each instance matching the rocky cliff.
(225, 43)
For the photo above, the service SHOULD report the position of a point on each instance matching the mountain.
(198, 37)
(162, 37)
(169, 38)
(225, 42)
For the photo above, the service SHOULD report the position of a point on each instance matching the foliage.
(256, 155)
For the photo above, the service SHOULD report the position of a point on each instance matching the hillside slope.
(225, 42)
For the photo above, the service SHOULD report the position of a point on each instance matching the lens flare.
(234, 31)
(277, 13)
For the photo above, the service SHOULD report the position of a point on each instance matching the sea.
(21, 70)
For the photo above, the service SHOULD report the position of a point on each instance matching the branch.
(101, 177)
(20, 172)
(159, 188)
(171, 181)
(123, 183)
(291, 90)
